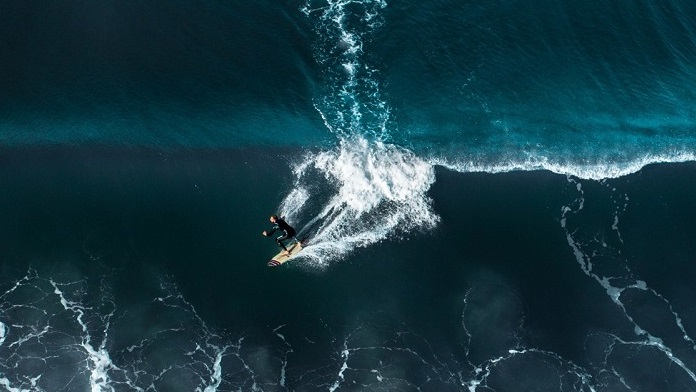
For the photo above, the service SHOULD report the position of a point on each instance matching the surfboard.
(281, 257)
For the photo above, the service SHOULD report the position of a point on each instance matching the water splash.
(380, 192)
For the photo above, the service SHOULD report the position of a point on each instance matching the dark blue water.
(497, 196)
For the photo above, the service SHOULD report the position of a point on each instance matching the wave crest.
(589, 169)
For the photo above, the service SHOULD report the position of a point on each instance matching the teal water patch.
(169, 126)
(157, 74)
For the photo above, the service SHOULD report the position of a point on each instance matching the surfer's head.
(273, 218)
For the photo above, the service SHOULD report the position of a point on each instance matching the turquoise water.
(596, 89)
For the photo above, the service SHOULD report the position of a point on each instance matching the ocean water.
(497, 196)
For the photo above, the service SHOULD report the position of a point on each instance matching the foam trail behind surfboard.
(293, 203)
(380, 193)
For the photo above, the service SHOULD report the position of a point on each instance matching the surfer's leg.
(292, 235)
(280, 240)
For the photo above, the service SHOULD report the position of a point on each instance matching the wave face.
(594, 89)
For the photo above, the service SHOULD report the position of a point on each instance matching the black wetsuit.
(288, 232)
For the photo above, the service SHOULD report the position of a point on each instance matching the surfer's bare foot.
(287, 253)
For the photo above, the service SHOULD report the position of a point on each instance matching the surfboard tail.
(282, 257)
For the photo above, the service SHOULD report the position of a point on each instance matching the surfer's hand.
(264, 233)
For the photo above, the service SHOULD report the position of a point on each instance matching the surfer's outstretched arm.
(268, 233)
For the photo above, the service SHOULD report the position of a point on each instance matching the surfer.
(288, 232)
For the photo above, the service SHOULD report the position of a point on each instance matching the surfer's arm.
(273, 230)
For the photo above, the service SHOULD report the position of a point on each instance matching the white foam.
(294, 202)
(590, 170)
(99, 358)
(216, 377)
(381, 191)
(8, 386)
(344, 367)
(352, 103)
(3, 333)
